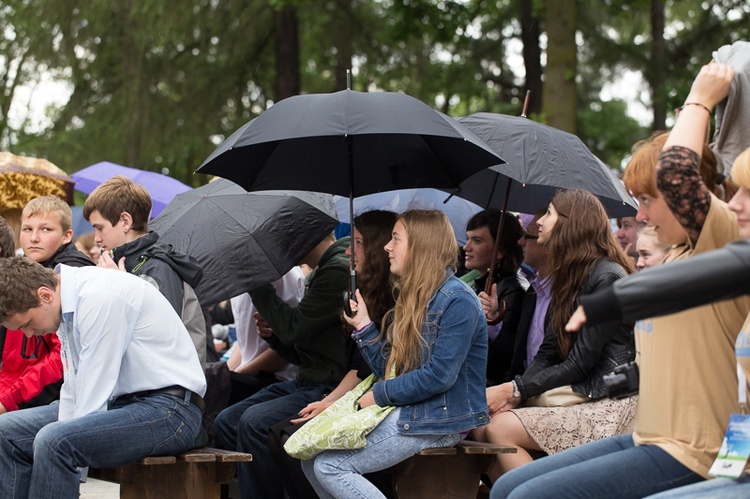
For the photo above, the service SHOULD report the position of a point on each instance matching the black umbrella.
(540, 161)
(243, 240)
(351, 144)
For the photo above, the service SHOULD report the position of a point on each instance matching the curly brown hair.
(580, 238)
(374, 277)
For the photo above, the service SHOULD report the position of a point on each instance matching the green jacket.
(311, 334)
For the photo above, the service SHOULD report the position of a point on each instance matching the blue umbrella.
(80, 225)
(162, 188)
(458, 210)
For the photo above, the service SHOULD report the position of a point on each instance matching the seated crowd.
(511, 349)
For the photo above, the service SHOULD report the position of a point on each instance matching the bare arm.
(314, 408)
(710, 87)
(678, 176)
(268, 361)
(234, 358)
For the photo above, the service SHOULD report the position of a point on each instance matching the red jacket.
(23, 377)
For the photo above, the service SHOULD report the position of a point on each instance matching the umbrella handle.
(501, 309)
(347, 305)
(349, 294)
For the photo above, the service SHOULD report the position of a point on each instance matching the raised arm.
(677, 175)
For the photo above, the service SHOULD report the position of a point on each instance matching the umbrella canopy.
(243, 240)
(24, 178)
(162, 188)
(540, 161)
(458, 210)
(80, 225)
(351, 144)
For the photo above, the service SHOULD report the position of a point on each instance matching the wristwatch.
(516, 391)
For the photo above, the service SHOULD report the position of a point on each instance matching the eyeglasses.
(532, 237)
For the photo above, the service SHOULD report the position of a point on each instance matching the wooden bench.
(452, 472)
(196, 474)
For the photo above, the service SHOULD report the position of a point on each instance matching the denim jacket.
(446, 394)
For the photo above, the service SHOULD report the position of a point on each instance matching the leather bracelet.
(694, 104)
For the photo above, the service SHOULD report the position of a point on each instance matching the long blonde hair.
(431, 248)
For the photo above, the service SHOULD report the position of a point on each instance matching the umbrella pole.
(493, 262)
(352, 270)
(525, 104)
(500, 227)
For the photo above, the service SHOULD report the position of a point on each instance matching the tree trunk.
(287, 53)
(559, 94)
(656, 72)
(132, 87)
(532, 56)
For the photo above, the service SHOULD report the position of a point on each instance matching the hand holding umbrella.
(360, 316)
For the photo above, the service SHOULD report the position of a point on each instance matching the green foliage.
(157, 85)
(608, 132)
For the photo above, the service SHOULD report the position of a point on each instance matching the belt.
(175, 390)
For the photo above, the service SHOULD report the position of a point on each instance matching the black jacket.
(146, 256)
(597, 350)
(712, 276)
(500, 353)
(68, 254)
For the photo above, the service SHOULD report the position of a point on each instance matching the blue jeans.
(612, 467)
(716, 488)
(40, 456)
(338, 473)
(244, 427)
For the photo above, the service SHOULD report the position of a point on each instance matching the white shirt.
(119, 335)
(291, 289)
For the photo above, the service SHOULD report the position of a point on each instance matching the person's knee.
(225, 430)
(502, 429)
(51, 440)
(324, 468)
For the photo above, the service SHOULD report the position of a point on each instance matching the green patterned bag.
(341, 426)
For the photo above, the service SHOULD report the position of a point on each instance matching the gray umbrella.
(243, 240)
(540, 161)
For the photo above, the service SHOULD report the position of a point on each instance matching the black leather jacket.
(597, 350)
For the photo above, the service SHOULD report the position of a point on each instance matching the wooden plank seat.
(196, 474)
(452, 472)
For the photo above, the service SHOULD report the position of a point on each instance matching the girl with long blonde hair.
(430, 358)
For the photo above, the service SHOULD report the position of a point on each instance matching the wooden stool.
(196, 474)
(452, 472)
